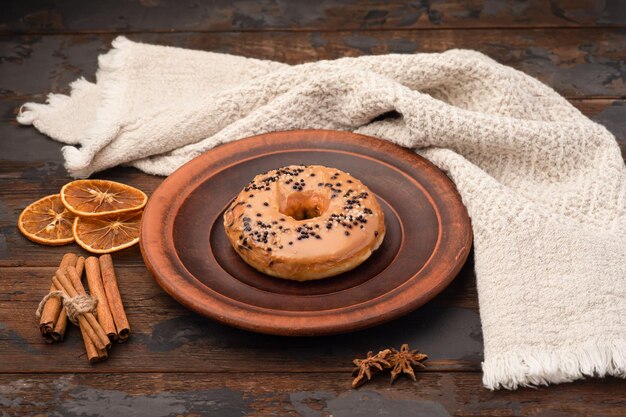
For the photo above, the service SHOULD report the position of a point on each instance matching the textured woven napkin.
(545, 187)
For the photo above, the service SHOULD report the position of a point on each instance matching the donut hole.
(305, 205)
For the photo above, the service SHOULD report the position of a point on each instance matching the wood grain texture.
(566, 43)
(300, 15)
(578, 63)
(297, 395)
(169, 338)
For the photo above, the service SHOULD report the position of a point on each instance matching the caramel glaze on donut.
(305, 222)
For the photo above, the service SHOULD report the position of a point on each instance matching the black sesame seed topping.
(266, 203)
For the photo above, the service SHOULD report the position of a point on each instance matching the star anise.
(404, 361)
(372, 363)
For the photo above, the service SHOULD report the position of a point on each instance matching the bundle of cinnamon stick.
(109, 323)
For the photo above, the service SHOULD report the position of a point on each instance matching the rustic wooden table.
(178, 363)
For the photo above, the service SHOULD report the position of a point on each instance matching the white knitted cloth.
(545, 187)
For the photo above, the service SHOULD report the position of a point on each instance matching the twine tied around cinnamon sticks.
(74, 306)
(100, 315)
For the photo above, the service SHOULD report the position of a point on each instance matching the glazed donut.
(304, 222)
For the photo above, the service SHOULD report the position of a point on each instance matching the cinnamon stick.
(96, 288)
(80, 266)
(90, 348)
(115, 299)
(85, 327)
(93, 354)
(51, 310)
(64, 284)
(58, 333)
(91, 319)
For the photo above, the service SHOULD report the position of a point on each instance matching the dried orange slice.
(94, 198)
(107, 234)
(47, 221)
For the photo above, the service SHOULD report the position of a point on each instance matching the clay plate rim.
(160, 257)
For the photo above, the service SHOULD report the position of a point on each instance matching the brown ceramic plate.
(427, 241)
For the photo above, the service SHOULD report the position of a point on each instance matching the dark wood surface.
(179, 363)
(184, 245)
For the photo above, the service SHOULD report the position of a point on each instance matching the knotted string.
(74, 306)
